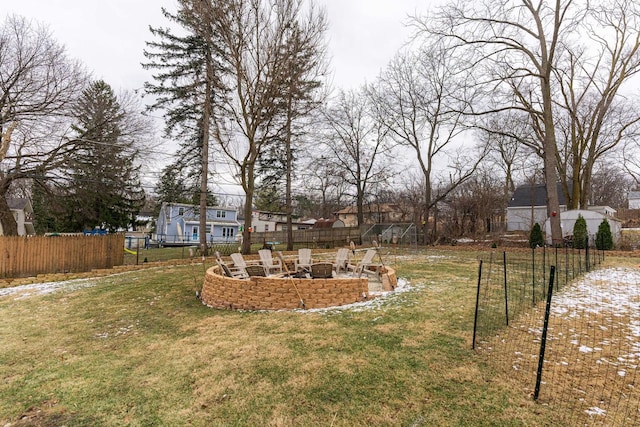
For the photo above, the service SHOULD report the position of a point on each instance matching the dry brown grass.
(139, 349)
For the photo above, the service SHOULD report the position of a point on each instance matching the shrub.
(604, 238)
(580, 233)
(535, 237)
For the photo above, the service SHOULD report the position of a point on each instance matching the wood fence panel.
(29, 256)
(331, 236)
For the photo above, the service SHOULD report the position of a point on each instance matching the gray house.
(179, 224)
(528, 205)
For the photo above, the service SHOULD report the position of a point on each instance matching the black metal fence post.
(533, 276)
(506, 299)
(586, 254)
(475, 320)
(543, 341)
(557, 275)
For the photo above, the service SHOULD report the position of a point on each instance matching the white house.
(262, 221)
(634, 199)
(528, 205)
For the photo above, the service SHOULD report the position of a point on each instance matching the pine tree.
(105, 189)
(175, 186)
(269, 198)
(187, 86)
(604, 238)
(535, 237)
(580, 233)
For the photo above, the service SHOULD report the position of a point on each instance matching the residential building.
(23, 214)
(179, 224)
(593, 218)
(634, 199)
(374, 213)
(263, 221)
(528, 205)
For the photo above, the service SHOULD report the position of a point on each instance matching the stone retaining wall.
(277, 293)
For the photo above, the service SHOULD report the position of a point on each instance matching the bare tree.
(506, 139)
(254, 34)
(38, 85)
(610, 185)
(327, 182)
(595, 114)
(514, 44)
(422, 104)
(532, 57)
(355, 142)
(304, 50)
(629, 155)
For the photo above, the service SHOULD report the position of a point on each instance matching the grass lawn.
(139, 349)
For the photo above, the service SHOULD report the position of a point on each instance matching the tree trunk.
(288, 177)
(550, 166)
(206, 118)
(249, 189)
(9, 225)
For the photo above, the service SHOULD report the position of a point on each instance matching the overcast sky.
(109, 36)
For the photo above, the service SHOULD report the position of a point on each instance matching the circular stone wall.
(277, 293)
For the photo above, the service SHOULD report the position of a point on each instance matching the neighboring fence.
(312, 238)
(397, 234)
(29, 256)
(564, 331)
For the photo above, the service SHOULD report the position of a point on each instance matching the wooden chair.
(238, 261)
(304, 260)
(270, 265)
(235, 272)
(342, 260)
(322, 270)
(364, 266)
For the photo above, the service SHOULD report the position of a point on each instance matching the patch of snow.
(594, 410)
(380, 299)
(26, 291)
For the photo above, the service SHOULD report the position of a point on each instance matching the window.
(266, 227)
(221, 214)
(227, 232)
(194, 233)
(208, 229)
(181, 212)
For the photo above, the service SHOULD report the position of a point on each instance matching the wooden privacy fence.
(312, 237)
(22, 256)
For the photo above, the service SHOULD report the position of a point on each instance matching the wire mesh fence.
(571, 339)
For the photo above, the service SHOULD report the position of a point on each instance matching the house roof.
(370, 208)
(533, 195)
(328, 223)
(18, 203)
(197, 207)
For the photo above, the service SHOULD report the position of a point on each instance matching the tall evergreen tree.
(105, 188)
(187, 86)
(176, 186)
